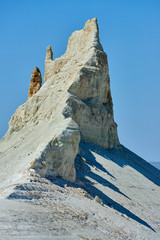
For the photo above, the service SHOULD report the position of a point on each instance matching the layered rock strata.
(36, 82)
(74, 103)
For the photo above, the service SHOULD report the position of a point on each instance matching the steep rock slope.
(75, 102)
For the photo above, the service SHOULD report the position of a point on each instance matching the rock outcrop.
(74, 103)
(48, 61)
(116, 194)
(36, 82)
(90, 103)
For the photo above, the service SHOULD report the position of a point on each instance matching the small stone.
(98, 200)
(87, 195)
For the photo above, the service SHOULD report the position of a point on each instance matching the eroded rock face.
(57, 158)
(36, 82)
(49, 54)
(90, 103)
(75, 102)
(48, 61)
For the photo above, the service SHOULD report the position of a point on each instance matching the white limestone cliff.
(74, 103)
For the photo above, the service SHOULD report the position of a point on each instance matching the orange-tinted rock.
(36, 82)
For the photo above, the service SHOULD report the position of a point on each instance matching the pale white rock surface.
(86, 70)
(75, 101)
(112, 194)
(48, 62)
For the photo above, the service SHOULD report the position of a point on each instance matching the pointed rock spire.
(36, 82)
(49, 53)
(48, 60)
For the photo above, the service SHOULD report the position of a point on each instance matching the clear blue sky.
(130, 35)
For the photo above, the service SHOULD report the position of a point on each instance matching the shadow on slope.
(84, 162)
(84, 170)
(93, 191)
(124, 157)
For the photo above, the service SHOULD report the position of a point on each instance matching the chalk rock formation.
(48, 61)
(85, 66)
(75, 102)
(36, 82)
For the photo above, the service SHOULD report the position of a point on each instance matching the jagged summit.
(67, 129)
(74, 103)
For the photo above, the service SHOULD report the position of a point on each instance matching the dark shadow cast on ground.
(123, 157)
(86, 178)
(93, 191)
(84, 170)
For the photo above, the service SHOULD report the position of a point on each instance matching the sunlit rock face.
(85, 67)
(74, 103)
